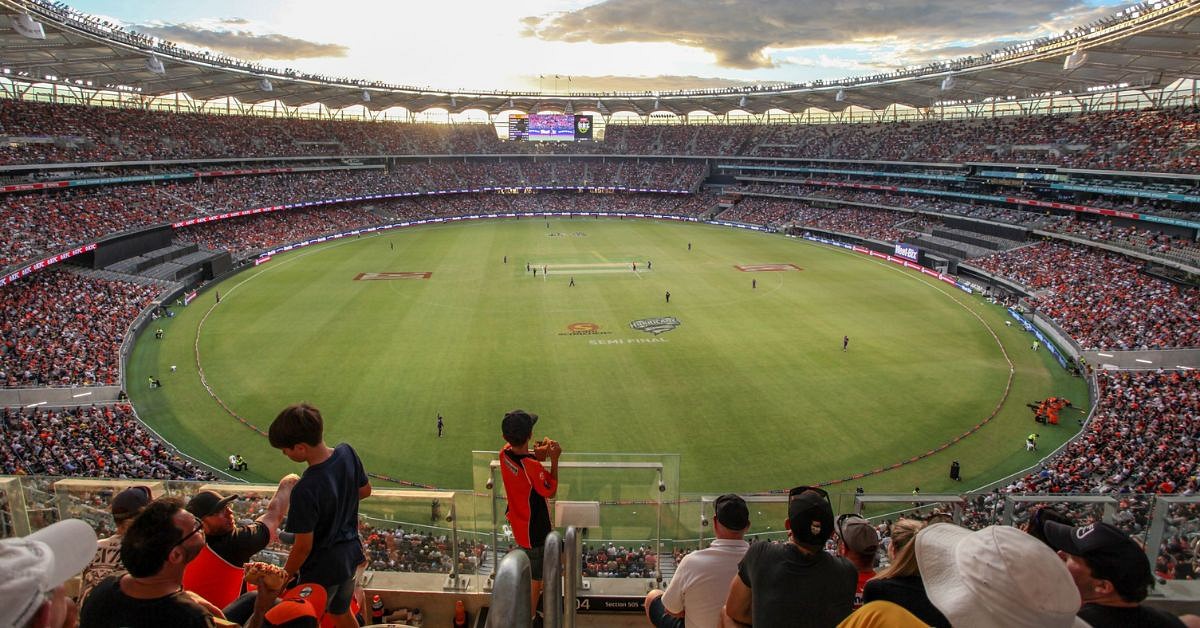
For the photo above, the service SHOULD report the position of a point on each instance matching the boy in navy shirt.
(324, 510)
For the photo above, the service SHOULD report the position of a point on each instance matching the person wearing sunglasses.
(795, 584)
(156, 548)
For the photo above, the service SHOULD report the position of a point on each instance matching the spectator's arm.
(278, 506)
(364, 491)
(301, 548)
(738, 604)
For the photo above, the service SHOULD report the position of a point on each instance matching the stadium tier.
(1076, 232)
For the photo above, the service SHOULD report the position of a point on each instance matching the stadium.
(966, 290)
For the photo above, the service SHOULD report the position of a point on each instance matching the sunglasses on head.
(800, 490)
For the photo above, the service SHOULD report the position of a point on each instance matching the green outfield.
(749, 384)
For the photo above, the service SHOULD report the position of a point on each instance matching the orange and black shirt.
(528, 485)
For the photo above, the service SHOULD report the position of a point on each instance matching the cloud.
(742, 33)
(241, 43)
(619, 83)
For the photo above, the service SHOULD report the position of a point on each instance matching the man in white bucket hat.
(997, 577)
(33, 570)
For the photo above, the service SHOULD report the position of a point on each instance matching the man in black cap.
(216, 574)
(125, 506)
(797, 583)
(1112, 574)
(701, 580)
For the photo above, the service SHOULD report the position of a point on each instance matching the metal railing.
(510, 606)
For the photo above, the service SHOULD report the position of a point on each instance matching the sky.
(597, 45)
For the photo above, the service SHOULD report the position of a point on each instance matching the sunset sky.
(600, 44)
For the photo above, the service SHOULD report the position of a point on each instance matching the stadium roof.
(1145, 47)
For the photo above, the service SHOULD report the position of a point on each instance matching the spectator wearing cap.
(701, 581)
(1111, 573)
(528, 485)
(216, 574)
(858, 541)
(125, 506)
(1035, 526)
(156, 549)
(900, 582)
(34, 569)
(797, 583)
(997, 577)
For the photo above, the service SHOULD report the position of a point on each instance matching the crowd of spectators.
(413, 551)
(1129, 235)
(89, 441)
(45, 222)
(1101, 299)
(609, 560)
(1151, 140)
(1155, 140)
(264, 231)
(63, 329)
(865, 222)
(1142, 439)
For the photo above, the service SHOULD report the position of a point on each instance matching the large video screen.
(553, 127)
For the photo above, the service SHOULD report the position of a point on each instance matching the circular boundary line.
(857, 476)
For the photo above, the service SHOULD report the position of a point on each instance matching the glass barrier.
(609, 496)
(627, 509)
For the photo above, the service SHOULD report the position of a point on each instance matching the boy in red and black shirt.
(528, 485)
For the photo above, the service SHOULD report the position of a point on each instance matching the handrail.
(510, 595)
(572, 545)
(552, 573)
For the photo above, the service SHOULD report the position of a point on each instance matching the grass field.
(752, 387)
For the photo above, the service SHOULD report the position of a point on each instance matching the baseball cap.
(518, 425)
(858, 534)
(130, 502)
(1111, 554)
(996, 577)
(810, 515)
(732, 512)
(298, 606)
(207, 503)
(32, 567)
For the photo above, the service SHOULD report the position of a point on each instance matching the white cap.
(32, 567)
(997, 577)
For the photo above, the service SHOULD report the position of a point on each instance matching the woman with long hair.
(900, 582)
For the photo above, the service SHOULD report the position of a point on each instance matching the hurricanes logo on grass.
(583, 329)
(655, 326)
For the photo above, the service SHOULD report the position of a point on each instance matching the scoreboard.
(553, 127)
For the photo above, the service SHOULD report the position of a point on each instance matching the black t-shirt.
(1137, 617)
(909, 592)
(237, 547)
(325, 503)
(791, 588)
(108, 607)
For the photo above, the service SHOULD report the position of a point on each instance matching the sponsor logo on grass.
(583, 329)
(390, 276)
(655, 326)
(767, 268)
(627, 341)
